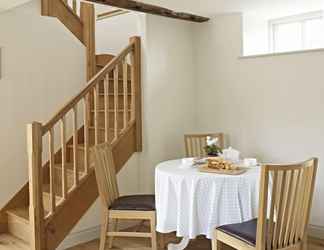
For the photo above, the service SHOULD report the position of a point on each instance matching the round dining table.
(192, 203)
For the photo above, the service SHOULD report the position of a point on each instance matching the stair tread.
(10, 242)
(110, 110)
(21, 213)
(46, 191)
(68, 166)
(112, 94)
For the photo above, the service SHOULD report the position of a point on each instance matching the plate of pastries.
(219, 165)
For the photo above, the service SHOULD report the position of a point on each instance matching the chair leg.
(304, 245)
(162, 240)
(216, 244)
(104, 229)
(114, 228)
(153, 232)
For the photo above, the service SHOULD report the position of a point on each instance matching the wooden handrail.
(91, 84)
(124, 122)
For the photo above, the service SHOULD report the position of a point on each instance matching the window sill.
(282, 53)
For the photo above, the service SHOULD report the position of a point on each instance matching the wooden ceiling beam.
(151, 9)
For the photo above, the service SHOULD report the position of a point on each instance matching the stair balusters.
(86, 114)
(64, 157)
(75, 147)
(106, 106)
(52, 171)
(125, 88)
(116, 81)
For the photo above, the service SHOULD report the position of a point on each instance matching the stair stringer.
(63, 12)
(21, 198)
(82, 198)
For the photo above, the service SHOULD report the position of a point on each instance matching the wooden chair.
(283, 218)
(195, 143)
(114, 207)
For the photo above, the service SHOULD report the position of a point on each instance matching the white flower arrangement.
(211, 141)
(212, 148)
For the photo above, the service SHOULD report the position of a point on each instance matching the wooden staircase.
(62, 184)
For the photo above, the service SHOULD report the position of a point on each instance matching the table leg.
(181, 246)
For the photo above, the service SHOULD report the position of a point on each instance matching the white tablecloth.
(194, 203)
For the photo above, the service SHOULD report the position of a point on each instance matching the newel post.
(36, 209)
(136, 74)
(88, 18)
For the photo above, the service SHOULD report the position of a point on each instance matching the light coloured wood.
(96, 115)
(206, 169)
(108, 190)
(106, 106)
(291, 194)
(66, 15)
(125, 89)
(100, 76)
(52, 171)
(104, 228)
(151, 9)
(87, 15)
(18, 227)
(201, 243)
(136, 79)
(75, 6)
(86, 122)
(75, 147)
(21, 199)
(116, 77)
(9, 242)
(125, 146)
(195, 143)
(63, 147)
(133, 79)
(110, 14)
(36, 210)
(66, 205)
(68, 213)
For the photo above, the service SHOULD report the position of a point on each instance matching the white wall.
(42, 68)
(112, 34)
(270, 107)
(168, 92)
(255, 34)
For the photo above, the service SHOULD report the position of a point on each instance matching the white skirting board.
(316, 231)
(94, 233)
(80, 237)
(90, 234)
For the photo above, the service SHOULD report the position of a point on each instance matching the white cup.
(187, 162)
(250, 162)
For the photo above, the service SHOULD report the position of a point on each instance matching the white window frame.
(274, 23)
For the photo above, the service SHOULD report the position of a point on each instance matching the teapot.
(231, 154)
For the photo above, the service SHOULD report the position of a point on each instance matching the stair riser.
(19, 228)
(101, 136)
(101, 119)
(120, 70)
(47, 201)
(111, 99)
(80, 159)
(111, 87)
(58, 180)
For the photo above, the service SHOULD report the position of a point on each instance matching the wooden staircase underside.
(107, 117)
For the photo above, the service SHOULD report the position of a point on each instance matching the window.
(300, 32)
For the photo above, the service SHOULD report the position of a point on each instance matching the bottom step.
(9, 242)
(18, 224)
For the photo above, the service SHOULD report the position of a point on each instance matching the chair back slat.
(195, 143)
(105, 173)
(283, 222)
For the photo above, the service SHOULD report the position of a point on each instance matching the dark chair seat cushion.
(245, 231)
(134, 203)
